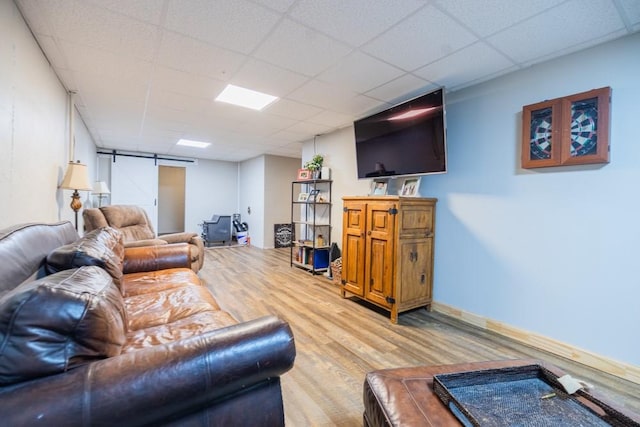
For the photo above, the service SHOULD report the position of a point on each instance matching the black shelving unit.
(311, 223)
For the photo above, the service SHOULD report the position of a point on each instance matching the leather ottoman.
(405, 397)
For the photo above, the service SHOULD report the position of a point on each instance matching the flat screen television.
(407, 139)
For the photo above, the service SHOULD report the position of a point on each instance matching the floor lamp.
(76, 179)
(101, 190)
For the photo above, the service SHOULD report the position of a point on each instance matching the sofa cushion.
(163, 297)
(182, 328)
(102, 247)
(59, 322)
(132, 221)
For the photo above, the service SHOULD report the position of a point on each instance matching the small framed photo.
(304, 174)
(378, 188)
(410, 187)
(313, 196)
(303, 197)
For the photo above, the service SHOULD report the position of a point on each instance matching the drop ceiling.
(145, 72)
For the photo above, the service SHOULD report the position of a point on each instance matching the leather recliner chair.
(137, 230)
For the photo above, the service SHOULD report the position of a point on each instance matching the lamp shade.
(76, 177)
(100, 187)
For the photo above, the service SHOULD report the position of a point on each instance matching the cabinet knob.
(369, 233)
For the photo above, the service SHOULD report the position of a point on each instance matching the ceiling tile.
(196, 57)
(267, 78)
(355, 21)
(237, 25)
(300, 49)
(185, 83)
(309, 128)
(360, 72)
(267, 124)
(331, 119)
(101, 63)
(289, 136)
(631, 10)
(145, 10)
(99, 28)
(421, 39)
(157, 136)
(293, 109)
(357, 106)
(38, 15)
(473, 63)
(277, 5)
(178, 101)
(490, 16)
(396, 91)
(220, 112)
(558, 32)
(147, 71)
(54, 54)
(321, 94)
(110, 95)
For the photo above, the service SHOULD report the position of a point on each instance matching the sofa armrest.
(144, 242)
(178, 237)
(197, 252)
(155, 385)
(154, 258)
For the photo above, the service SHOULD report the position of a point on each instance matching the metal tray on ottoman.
(525, 396)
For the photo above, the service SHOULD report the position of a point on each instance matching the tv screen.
(407, 139)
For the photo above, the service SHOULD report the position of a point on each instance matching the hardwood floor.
(339, 340)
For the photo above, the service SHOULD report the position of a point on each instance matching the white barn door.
(134, 181)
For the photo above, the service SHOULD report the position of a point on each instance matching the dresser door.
(379, 264)
(353, 247)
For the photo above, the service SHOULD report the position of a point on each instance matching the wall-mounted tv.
(407, 139)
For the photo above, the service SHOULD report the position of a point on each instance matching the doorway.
(171, 199)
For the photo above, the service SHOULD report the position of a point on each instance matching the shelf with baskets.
(311, 223)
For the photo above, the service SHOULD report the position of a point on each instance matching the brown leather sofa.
(137, 229)
(94, 334)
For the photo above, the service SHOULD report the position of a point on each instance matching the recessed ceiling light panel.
(190, 143)
(247, 98)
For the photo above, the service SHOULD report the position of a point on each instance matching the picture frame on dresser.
(410, 187)
(378, 188)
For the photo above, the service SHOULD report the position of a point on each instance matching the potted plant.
(314, 165)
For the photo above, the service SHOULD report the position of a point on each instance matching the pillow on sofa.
(60, 322)
(101, 247)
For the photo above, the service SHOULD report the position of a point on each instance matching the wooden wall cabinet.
(572, 130)
(387, 251)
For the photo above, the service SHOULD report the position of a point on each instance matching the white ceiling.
(146, 72)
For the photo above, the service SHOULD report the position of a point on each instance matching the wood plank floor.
(339, 340)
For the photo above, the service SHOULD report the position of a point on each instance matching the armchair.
(135, 226)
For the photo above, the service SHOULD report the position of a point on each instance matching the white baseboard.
(602, 363)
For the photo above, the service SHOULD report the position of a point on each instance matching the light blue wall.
(553, 251)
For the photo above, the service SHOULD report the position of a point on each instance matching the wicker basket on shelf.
(336, 271)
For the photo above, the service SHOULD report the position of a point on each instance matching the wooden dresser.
(387, 251)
